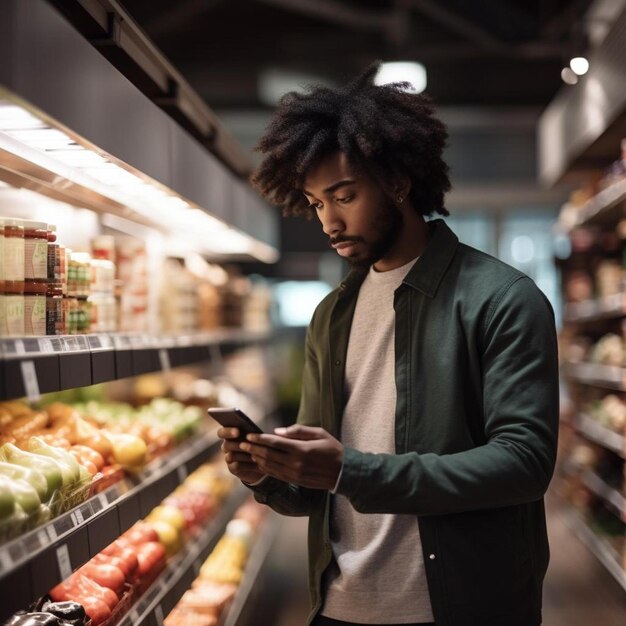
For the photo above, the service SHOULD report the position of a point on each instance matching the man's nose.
(332, 224)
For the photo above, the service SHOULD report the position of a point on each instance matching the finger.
(274, 442)
(228, 446)
(299, 431)
(266, 451)
(237, 467)
(244, 457)
(277, 470)
(228, 433)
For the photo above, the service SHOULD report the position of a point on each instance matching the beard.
(388, 223)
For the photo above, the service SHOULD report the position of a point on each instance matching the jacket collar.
(428, 271)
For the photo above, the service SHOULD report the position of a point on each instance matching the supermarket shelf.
(611, 496)
(31, 366)
(257, 558)
(161, 597)
(592, 310)
(604, 207)
(599, 547)
(607, 376)
(35, 562)
(601, 435)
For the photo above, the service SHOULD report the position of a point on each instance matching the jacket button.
(337, 362)
(431, 557)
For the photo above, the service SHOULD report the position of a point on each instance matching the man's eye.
(316, 206)
(345, 198)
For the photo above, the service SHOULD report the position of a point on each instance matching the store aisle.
(578, 590)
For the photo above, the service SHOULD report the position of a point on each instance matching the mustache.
(341, 239)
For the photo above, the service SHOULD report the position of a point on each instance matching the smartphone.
(234, 418)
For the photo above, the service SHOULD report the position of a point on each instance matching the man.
(426, 434)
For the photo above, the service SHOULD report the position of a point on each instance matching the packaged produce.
(70, 467)
(49, 468)
(33, 477)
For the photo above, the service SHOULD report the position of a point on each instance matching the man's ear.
(400, 189)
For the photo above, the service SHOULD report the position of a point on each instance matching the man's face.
(363, 224)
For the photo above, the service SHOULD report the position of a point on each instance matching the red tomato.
(104, 574)
(87, 587)
(96, 609)
(140, 533)
(150, 556)
(128, 556)
(116, 546)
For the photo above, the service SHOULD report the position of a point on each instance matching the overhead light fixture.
(579, 65)
(13, 117)
(273, 84)
(81, 163)
(568, 76)
(402, 72)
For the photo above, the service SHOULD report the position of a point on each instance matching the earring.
(400, 199)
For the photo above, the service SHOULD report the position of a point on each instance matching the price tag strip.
(164, 359)
(63, 560)
(182, 472)
(29, 377)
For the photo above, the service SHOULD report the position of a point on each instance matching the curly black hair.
(384, 131)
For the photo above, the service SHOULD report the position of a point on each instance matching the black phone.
(234, 418)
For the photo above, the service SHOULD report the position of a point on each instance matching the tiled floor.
(578, 591)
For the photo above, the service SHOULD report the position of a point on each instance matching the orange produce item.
(105, 574)
(87, 464)
(141, 533)
(97, 610)
(88, 435)
(89, 453)
(151, 556)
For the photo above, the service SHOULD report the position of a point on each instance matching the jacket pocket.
(485, 561)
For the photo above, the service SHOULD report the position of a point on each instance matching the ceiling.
(483, 52)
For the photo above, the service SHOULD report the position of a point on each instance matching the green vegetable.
(31, 476)
(69, 465)
(48, 467)
(22, 492)
(7, 499)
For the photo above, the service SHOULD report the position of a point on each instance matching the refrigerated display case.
(83, 148)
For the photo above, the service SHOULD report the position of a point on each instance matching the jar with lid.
(35, 307)
(35, 250)
(54, 295)
(2, 309)
(12, 319)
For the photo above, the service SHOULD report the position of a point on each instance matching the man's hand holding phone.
(303, 455)
(239, 463)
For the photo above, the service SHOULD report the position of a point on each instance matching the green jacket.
(475, 427)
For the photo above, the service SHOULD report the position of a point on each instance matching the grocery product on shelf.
(53, 458)
(12, 279)
(591, 471)
(104, 589)
(221, 573)
(49, 289)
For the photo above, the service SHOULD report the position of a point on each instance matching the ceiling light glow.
(568, 76)
(579, 65)
(143, 196)
(402, 72)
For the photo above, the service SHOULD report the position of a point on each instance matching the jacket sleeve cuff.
(256, 483)
(351, 472)
(263, 488)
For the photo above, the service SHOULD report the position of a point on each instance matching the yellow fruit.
(128, 450)
(169, 537)
(169, 514)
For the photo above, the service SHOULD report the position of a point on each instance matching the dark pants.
(320, 620)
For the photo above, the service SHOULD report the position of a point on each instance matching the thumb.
(298, 431)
